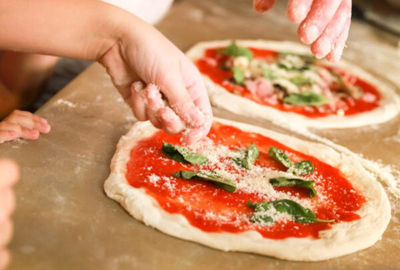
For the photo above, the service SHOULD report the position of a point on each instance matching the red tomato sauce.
(349, 105)
(212, 209)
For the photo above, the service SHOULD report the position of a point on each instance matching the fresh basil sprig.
(303, 167)
(211, 176)
(300, 168)
(182, 154)
(300, 80)
(294, 182)
(238, 75)
(306, 98)
(234, 50)
(249, 156)
(299, 213)
(278, 155)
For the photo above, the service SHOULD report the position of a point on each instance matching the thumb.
(263, 5)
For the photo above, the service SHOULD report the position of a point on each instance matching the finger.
(6, 230)
(7, 135)
(41, 124)
(321, 13)
(154, 104)
(297, 9)
(7, 203)
(326, 42)
(25, 121)
(263, 5)
(181, 102)
(30, 134)
(5, 259)
(9, 173)
(170, 122)
(340, 43)
(138, 101)
(195, 134)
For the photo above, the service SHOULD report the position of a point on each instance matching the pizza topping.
(264, 212)
(213, 209)
(182, 154)
(294, 182)
(306, 99)
(288, 81)
(211, 176)
(300, 168)
(236, 51)
(247, 157)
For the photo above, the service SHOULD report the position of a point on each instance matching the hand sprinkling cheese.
(324, 24)
(149, 104)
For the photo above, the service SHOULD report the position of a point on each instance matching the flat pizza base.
(342, 239)
(220, 97)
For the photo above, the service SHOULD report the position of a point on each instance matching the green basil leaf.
(300, 80)
(182, 154)
(269, 74)
(294, 182)
(234, 50)
(278, 155)
(299, 213)
(306, 99)
(238, 75)
(211, 176)
(303, 167)
(250, 155)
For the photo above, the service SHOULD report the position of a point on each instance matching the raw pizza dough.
(343, 238)
(388, 108)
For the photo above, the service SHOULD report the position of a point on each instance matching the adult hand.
(324, 24)
(173, 96)
(22, 124)
(8, 176)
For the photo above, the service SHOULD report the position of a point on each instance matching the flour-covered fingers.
(138, 101)
(263, 5)
(154, 104)
(339, 24)
(340, 43)
(321, 13)
(297, 10)
(181, 102)
(171, 123)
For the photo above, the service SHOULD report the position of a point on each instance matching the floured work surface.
(64, 220)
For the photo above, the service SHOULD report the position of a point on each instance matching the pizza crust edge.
(389, 106)
(342, 239)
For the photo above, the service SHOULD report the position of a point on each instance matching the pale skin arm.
(130, 49)
(22, 76)
(324, 24)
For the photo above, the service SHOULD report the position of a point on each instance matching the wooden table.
(64, 220)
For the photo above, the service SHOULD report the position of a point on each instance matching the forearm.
(8, 101)
(71, 28)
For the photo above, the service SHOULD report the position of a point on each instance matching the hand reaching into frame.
(22, 124)
(324, 24)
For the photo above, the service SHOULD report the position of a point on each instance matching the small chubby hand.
(8, 176)
(324, 24)
(22, 124)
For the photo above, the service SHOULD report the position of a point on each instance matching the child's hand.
(149, 57)
(21, 124)
(324, 24)
(8, 177)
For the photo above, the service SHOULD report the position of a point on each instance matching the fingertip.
(308, 33)
(262, 6)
